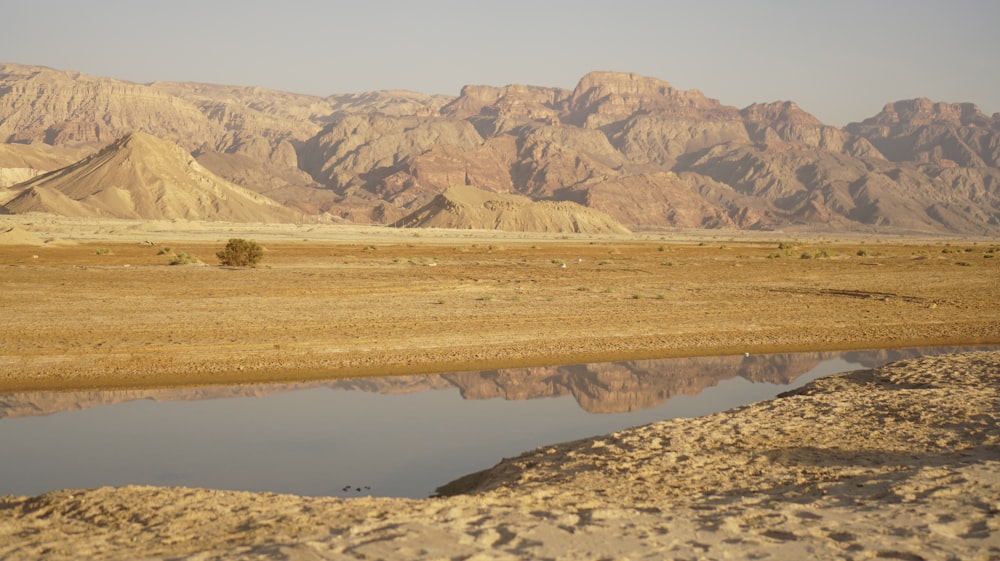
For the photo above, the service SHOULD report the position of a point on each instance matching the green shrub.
(241, 253)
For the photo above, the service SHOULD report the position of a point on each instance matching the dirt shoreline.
(900, 462)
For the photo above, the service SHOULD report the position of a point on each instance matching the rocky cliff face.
(45, 105)
(646, 153)
(942, 134)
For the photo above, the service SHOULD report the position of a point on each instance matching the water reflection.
(393, 436)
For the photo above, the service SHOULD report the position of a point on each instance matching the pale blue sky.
(840, 60)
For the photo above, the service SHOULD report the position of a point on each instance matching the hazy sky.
(840, 60)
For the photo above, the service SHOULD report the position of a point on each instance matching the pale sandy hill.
(141, 176)
(14, 235)
(21, 162)
(466, 207)
(13, 176)
(42, 157)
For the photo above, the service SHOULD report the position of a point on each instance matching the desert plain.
(97, 304)
(900, 462)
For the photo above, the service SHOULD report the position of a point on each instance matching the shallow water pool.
(390, 436)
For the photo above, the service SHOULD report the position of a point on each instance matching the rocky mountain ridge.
(635, 148)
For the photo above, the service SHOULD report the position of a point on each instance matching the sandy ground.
(95, 304)
(902, 462)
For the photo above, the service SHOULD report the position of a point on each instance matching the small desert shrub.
(103, 251)
(241, 253)
(806, 255)
(182, 258)
(774, 255)
(862, 252)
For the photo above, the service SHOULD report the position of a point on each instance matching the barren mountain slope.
(948, 134)
(470, 208)
(141, 176)
(645, 152)
(56, 107)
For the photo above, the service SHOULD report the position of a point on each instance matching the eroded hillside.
(632, 147)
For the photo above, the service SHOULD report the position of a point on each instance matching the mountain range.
(631, 149)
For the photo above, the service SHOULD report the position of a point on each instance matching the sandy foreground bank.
(899, 462)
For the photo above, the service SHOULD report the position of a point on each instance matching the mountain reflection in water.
(612, 387)
(385, 436)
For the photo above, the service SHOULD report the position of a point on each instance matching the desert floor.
(902, 462)
(96, 304)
